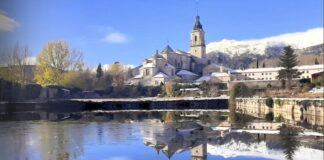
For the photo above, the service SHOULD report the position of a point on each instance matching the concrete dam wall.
(66, 106)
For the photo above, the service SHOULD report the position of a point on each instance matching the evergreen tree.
(290, 143)
(257, 63)
(99, 71)
(288, 61)
(316, 61)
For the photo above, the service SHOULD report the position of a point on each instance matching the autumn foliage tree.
(169, 89)
(56, 59)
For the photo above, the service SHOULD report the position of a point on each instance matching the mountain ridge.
(298, 40)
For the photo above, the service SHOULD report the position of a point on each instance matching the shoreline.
(99, 100)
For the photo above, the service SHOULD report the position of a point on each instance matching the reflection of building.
(199, 152)
(263, 125)
(171, 140)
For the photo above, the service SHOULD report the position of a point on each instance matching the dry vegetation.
(295, 93)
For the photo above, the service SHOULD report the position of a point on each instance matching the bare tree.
(15, 64)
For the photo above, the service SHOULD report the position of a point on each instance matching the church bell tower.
(197, 44)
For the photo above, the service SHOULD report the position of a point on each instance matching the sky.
(129, 31)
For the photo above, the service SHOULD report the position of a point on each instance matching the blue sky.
(131, 30)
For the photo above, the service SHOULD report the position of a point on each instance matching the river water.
(175, 135)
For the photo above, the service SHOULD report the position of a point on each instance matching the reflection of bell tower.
(199, 152)
(197, 44)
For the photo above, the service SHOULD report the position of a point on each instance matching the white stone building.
(175, 64)
(272, 73)
(257, 74)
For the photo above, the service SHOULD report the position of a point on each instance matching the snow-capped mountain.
(298, 40)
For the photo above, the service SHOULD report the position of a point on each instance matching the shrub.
(269, 102)
(241, 90)
(279, 102)
(32, 91)
(269, 116)
(279, 119)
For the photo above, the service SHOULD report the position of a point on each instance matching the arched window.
(195, 38)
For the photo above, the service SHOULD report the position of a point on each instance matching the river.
(149, 135)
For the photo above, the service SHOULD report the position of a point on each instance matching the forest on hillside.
(307, 56)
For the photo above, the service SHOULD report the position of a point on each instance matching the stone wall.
(291, 110)
(263, 84)
(253, 106)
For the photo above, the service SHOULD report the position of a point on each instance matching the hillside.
(298, 40)
(309, 45)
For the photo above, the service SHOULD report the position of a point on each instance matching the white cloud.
(115, 37)
(7, 24)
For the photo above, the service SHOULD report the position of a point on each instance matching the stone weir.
(78, 105)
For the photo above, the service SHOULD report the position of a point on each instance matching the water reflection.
(175, 135)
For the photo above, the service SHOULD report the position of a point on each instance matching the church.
(174, 64)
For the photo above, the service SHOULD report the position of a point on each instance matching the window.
(156, 82)
(147, 72)
(195, 38)
(307, 71)
(261, 73)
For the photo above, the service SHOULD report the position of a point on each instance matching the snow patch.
(235, 149)
(298, 40)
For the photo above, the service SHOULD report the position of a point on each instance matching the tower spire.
(197, 25)
(197, 2)
(197, 45)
